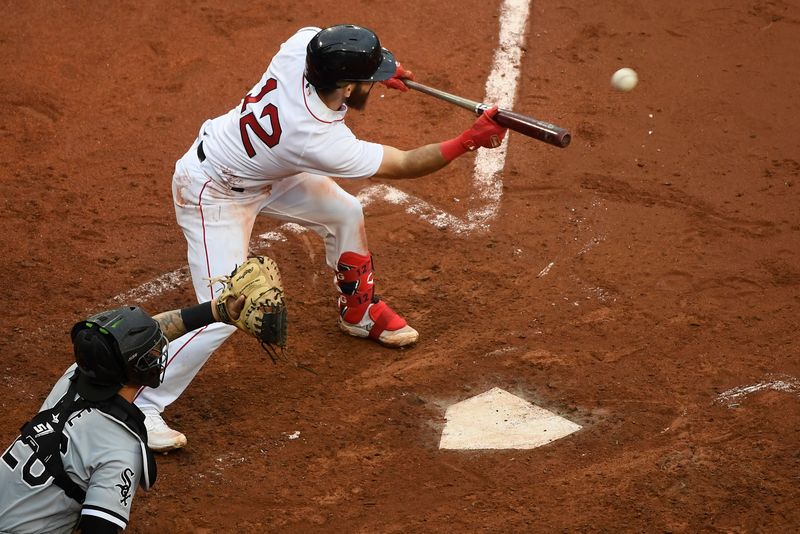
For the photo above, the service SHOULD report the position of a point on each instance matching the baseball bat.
(538, 129)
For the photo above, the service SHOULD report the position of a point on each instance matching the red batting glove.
(484, 132)
(395, 82)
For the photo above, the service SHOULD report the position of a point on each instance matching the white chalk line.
(501, 87)
(146, 291)
(178, 277)
(546, 270)
(785, 383)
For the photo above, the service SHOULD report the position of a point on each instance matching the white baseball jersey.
(282, 128)
(102, 456)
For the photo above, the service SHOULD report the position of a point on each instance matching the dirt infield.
(644, 282)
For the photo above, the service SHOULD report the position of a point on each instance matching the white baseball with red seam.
(625, 79)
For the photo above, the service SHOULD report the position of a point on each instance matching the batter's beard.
(358, 98)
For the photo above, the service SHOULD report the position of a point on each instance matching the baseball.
(624, 79)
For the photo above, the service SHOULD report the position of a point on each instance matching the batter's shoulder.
(300, 39)
(312, 29)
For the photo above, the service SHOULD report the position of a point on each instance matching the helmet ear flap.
(96, 355)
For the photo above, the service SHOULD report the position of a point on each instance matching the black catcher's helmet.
(118, 347)
(347, 53)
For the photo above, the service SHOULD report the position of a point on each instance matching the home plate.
(497, 419)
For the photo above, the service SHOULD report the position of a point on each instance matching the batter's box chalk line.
(785, 383)
(501, 86)
(150, 289)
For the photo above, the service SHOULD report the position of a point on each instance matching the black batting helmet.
(118, 347)
(347, 53)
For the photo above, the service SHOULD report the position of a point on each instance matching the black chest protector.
(44, 434)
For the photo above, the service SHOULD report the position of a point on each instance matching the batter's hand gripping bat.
(541, 130)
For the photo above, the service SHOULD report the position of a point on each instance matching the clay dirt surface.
(670, 226)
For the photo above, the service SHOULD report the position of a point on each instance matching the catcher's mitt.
(264, 312)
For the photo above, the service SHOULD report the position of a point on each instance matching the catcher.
(77, 463)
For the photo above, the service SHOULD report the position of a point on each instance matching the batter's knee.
(345, 211)
(351, 209)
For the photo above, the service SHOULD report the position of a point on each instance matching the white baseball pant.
(218, 223)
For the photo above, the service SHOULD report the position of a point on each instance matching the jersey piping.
(107, 515)
(303, 83)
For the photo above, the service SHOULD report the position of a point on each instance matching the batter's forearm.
(484, 132)
(411, 163)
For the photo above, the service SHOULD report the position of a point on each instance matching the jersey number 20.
(33, 472)
(251, 121)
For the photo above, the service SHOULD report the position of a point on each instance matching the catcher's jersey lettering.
(33, 472)
(249, 120)
(9, 459)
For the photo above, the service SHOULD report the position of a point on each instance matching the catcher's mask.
(347, 53)
(118, 347)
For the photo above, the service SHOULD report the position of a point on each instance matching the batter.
(276, 154)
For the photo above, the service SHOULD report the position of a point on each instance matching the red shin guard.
(354, 280)
(355, 283)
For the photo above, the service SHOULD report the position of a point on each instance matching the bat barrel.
(538, 129)
(535, 128)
